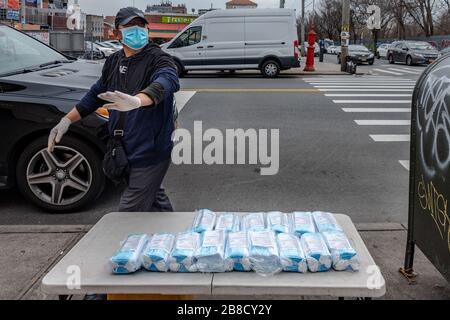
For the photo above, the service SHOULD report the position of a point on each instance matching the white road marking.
(377, 110)
(183, 97)
(365, 87)
(374, 101)
(383, 122)
(390, 137)
(366, 95)
(390, 72)
(403, 70)
(405, 164)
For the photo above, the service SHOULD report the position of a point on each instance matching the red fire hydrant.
(310, 55)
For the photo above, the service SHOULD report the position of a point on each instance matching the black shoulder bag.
(115, 163)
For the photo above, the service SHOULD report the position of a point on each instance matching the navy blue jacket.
(148, 130)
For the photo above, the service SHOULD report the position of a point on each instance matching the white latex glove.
(120, 101)
(57, 133)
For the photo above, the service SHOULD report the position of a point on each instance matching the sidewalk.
(321, 68)
(29, 252)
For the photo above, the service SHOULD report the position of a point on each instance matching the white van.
(238, 39)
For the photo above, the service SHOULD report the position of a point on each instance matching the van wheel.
(409, 61)
(270, 69)
(180, 69)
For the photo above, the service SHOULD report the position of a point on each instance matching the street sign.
(429, 204)
(13, 15)
(177, 20)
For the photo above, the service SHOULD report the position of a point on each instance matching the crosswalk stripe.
(402, 70)
(366, 90)
(390, 137)
(364, 83)
(377, 110)
(383, 122)
(366, 95)
(405, 164)
(390, 72)
(409, 69)
(374, 101)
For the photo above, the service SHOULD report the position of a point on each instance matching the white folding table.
(85, 269)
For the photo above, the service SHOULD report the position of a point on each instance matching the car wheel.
(270, 69)
(391, 59)
(371, 62)
(409, 61)
(180, 69)
(63, 181)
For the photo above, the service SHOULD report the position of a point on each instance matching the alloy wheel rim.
(60, 178)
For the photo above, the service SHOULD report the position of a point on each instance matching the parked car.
(93, 50)
(445, 51)
(332, 50)
(106, 51)
(359, 53)
(412, 52)
(382, 51)
(263, 39)
(115, 44)
(316, 49)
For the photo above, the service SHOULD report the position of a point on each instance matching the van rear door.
(224, 42)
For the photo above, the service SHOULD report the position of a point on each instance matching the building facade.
(166, 7)
(241, 4)
(163, 27)
(94, 27)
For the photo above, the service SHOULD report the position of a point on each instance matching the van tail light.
(296, 51)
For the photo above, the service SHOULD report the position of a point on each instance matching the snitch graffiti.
(433, 123)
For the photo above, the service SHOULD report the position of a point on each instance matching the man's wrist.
(145, 100)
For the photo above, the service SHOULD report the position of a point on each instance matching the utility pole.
(282, 3)
(23, 14)
(302, 30)
(345, 33)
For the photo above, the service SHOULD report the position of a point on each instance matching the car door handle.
(200, 47)
(210, 46)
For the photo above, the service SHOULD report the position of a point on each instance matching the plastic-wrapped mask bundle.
(316, 251)
(182, 256)
(278, 222)
(210, 256)
(263, 250)
(326, 222)
(343, 255)
(128, 258)
(236, 252)
(157, 252)
(302, 222)
(204, 221)
(253, 222)
(292, 257)
(228, 222)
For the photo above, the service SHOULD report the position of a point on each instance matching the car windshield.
(19, 52)
(357, 48)
(420, 46)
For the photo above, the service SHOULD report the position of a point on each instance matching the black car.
(359, 53)
(38, 85)
(412, 52)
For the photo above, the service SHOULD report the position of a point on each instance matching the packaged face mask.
(128, 258)
(263, 250)
(228, 222)
(278, 222)
(316, 251)
(157, 252)
(253, 222)
(204, 221)
(182, 257)
(303, 222)
(236, 252)
(343, 255)
(210, 256)
(292, 257)
(326, 222)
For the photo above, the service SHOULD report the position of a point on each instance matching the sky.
(110, 7)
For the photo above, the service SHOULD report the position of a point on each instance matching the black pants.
(144, 192)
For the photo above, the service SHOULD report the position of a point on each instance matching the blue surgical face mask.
(135, 37)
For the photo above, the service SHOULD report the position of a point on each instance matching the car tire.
(180, 70)
(270, 69)
(371, 62)
(409, 61)
(88, 174)
(391, 59)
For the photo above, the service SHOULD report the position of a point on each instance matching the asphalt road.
(330, 157)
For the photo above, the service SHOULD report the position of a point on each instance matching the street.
(343, 147)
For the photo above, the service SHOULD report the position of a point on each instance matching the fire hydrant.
(310, 55)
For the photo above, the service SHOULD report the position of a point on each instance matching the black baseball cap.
(125, 15)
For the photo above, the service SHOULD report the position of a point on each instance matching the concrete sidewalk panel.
(26, 257)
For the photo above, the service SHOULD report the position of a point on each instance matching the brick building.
(241, 4)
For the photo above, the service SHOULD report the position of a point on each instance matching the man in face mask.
(138, 85)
